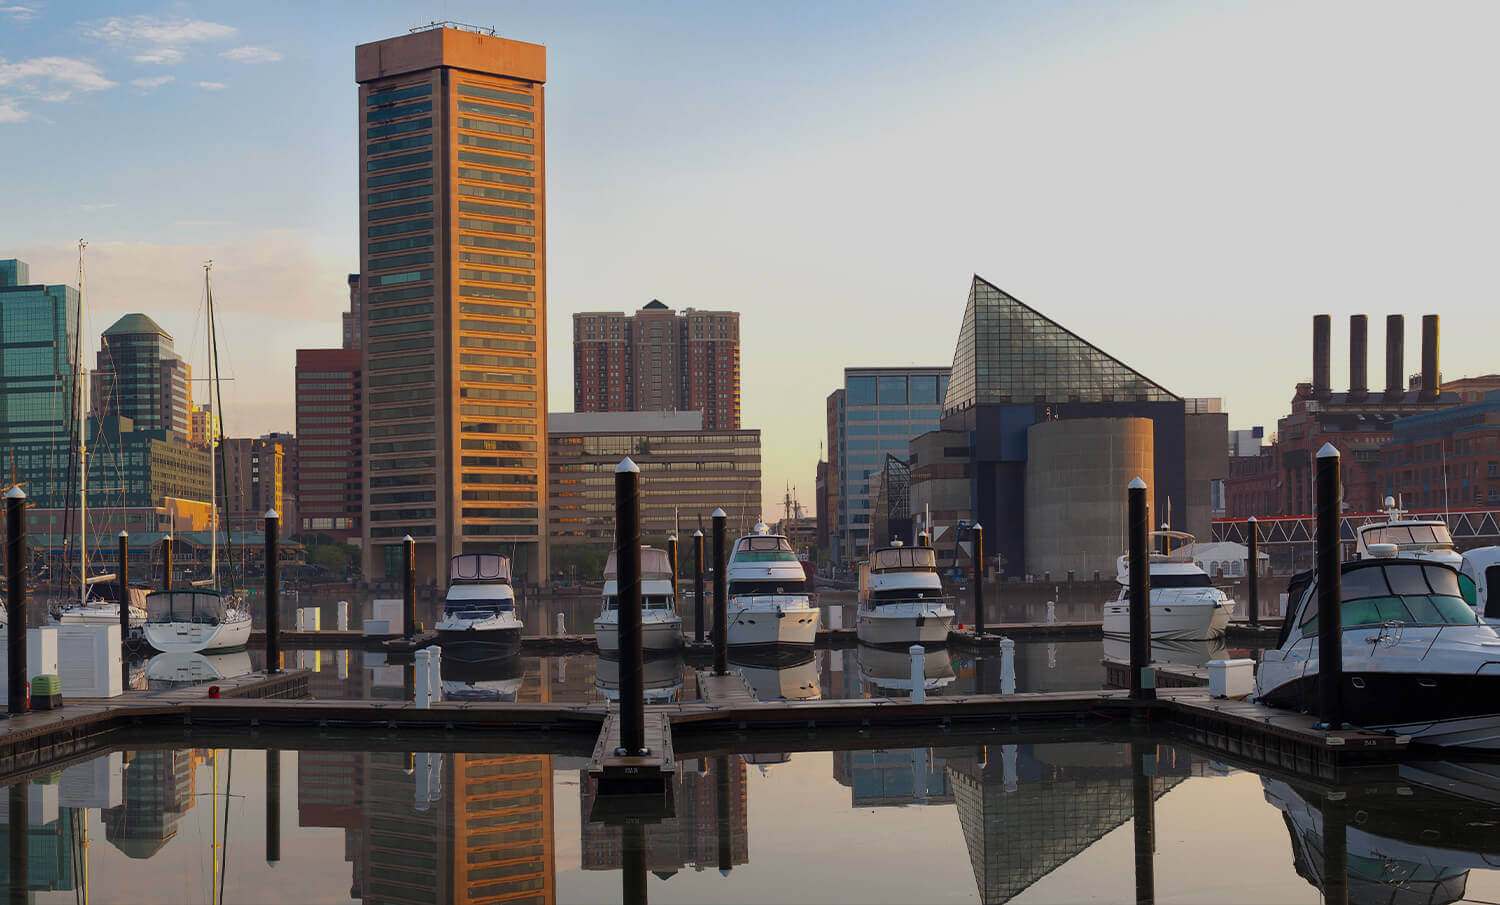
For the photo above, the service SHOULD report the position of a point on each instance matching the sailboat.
(200, 618)
(89, 609)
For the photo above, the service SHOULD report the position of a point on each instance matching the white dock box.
(1231, 678)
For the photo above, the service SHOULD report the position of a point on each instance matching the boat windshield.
(648, 602)
(771, 587)
(1181, 580)
(898, 559)
(1407, 535)
(186, 606)
(480, 604)
(1408, 592)
(764, 549)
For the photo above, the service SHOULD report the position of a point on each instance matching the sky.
(1183, 184)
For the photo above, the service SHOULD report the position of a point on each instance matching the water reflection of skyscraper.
(691, 837)
(158, 790)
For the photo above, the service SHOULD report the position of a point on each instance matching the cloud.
(95, 208)
(10, 113)
(252, 55)
(18, 13)
(157, 41)
(211, 86)
(153, 82)
(51, 79)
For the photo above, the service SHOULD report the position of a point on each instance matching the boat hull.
(772, 625)
(479, 644)
(197, 637)
(904, 624)
(1173, 621)
(1433, 708)
(658, 635)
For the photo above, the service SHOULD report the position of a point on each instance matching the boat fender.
(780, 614)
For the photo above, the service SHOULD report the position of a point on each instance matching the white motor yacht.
(769, 602)
(195, 620)
(661, 626)
(1417, 660)
(1184, 603)
(661, 679)
(887, 673)
(1418, 538)
(1479, 581)
(902, 601)
(479, 620)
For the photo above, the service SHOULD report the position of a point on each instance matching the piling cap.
(698, 533)
(15, 493)
(976, 527)
(718, 513)
(1137, 484)
(124, 533)
(167, 536)
(271, 514)
(1328, 450)
(1252, 518)
(408, 539)
(627, 466)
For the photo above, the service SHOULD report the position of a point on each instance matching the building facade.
(329, 478)
(38, 367)
(453, 299)
(687, 472)
(353, 332)
(253, 481)
(659, 360)
(138, 375)
(875, 414)
(1444, 460)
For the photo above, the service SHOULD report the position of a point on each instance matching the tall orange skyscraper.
(453, 313)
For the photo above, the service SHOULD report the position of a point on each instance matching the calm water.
(962, 823)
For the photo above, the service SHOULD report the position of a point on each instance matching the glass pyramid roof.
(1009, 354)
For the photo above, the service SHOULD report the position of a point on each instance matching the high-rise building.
(658, 360)
(139, 376)
(329, 477)
(253, 481)
(453, 307)
(203, 425)
(352, 330)
(38, 363)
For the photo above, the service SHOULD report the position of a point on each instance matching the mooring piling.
(721, 594)
(123, 574)
(672, 555)
(1253, 570)
(166, 562)
(273, 591)
(1142, 679)
(721, 808)
(409, 586)
(698, 607)
(628, 608)
(15, 590)
(977, 532)
(1007, 666)
(1335, 849)
(1330, 590)
(20, 840)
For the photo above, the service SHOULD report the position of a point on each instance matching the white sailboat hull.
(197, 637)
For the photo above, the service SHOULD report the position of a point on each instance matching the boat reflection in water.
(495, 679)
(1173, 652)
(775, 677)
(173, 670)
(886, 673)
(661, 677)
(1402, 843)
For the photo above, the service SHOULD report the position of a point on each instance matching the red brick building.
(330, 476)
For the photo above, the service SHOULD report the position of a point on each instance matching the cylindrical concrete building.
(1076, 475)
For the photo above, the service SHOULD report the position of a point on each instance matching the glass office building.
(879, 412)
(38, 364)
(138, 375)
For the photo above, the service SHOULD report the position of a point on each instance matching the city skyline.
(1212, 233)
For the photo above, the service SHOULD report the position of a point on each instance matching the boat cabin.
(490, 568)
(1379, 591)
(656, 569)
(1410, 536)
(903, 559)
(188, 605)
(764, 548)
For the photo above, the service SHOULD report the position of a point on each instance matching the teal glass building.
(38, 367)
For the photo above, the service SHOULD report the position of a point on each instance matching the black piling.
(273, 806)
(1330, 590)
(1335, 851)
(409, 585)
(628, 608)
(721, 805)
(633, 863)
(1142, 682)
(672, 555)
(1143, 767)
(166, 562)
(123, 574)
(699, 618)
(15, 590)
(1252, 570)
(273, 591)
(978, 535)
(20, 841)
(721, 595)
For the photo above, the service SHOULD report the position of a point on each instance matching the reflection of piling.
(633, 863)
(166, 562)
(721, 595)
(698, 616)
(409, 585)
(20, 839)
(15, 590)
(721, 767)
(628, 607)
(1330, 590)
(273, 591)
(1007, 666)
(1253, 575)
(1142, 768)
(1335, 851)
(273, 806)
(978, 531)
(1142, 683)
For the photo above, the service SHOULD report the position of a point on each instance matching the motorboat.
(1417, 659)
(661, 626)
(661, 679)
(172, 670)
(769, 602)
(1479, 581)
(479, 620)
(1184, 603)
(195, 620)
(1417, 538)
(887, 673)
(495, 680)
(901, 601)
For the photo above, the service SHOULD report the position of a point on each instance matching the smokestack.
(1429, 356)
(1395, 355)
(1359, 356)
(1322, 329)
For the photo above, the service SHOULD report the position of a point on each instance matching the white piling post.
(343, 615)
(1051, 612)
(1008, 766)
(435, 674)
(421, 686)
(918, 673)
(562, 625)
(299, 619)
(1007, 666)
(343, 662)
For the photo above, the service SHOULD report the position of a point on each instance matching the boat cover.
(185, 606)
(655, 564)
(479, 567)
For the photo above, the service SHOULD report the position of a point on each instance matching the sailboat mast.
(83, 470)
(213, 439)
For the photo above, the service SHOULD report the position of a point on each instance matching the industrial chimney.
(1322, 329)
(1359, 356)
(1429, 357)
(1395, 356)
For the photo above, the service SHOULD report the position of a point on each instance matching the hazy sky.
(1182, 184)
